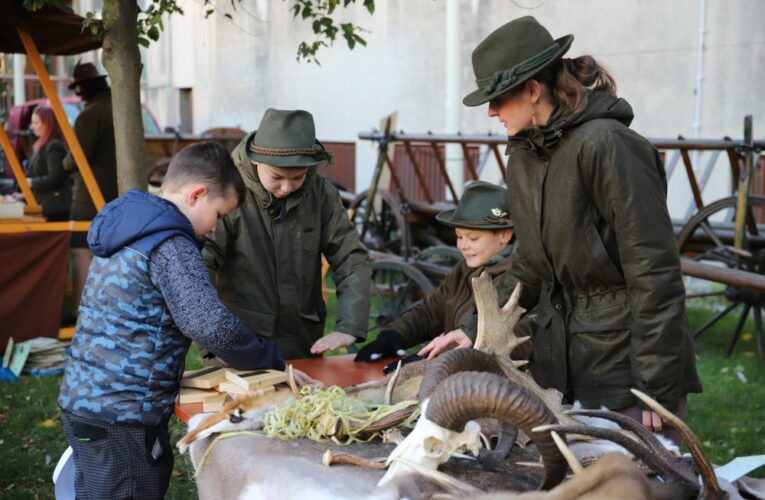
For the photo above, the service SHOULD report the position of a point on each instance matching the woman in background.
(49, 181)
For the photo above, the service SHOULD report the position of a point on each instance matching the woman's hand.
(652, 421)
(443, 342)
(332, 341)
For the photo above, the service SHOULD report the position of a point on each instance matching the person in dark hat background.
(94, 129)
(447, 317)
(595, 241)
(265, 257)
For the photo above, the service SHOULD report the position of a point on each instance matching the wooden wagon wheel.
(436, 262)
(396, 287)
(708, 236)
(386, 226)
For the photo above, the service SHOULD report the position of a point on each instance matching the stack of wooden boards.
(214, 386)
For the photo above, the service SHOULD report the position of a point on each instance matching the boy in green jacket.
(447, 317)
(265, 257)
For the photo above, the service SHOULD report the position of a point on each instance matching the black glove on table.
(388, 343)
(391, 367)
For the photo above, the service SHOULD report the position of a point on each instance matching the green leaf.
(144, 42)
(370, 5)
(347, 28)
(153, 33)
(307, 11)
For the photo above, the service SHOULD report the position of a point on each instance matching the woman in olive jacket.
(594, 237)
(447, 317)
(49, 181)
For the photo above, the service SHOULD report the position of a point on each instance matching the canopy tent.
(55, 31)
(34, 252)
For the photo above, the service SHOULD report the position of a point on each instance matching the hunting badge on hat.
(482, 206)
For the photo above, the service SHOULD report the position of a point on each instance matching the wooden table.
(333, 370)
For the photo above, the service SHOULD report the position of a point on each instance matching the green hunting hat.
(84, 72)
(287, 139)
(511, 55)
(482, 206)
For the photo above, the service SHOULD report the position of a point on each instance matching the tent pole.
(58, 110)
(32, 206)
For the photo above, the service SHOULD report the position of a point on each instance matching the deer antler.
(648, 448)
(495, 326)
(496, 335)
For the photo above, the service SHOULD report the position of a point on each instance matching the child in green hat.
(265, 257)
(447, 317)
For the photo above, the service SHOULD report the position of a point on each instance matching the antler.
(647, 447)
(495, 326)
(496, 334)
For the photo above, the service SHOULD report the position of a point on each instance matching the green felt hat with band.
(287, 139)
(482, 206)
(511, 55)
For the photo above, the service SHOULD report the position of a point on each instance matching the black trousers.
(115, 461)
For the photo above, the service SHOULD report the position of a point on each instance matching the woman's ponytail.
(574, 77)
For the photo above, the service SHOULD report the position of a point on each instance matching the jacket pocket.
(601, 318)
(87, 432)
(599, 352)
(606, 268)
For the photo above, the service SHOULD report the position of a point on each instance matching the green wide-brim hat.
(482, 206)
(287, 139)
(511, 55)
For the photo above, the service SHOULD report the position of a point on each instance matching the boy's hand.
(443, 342)
(332, 341)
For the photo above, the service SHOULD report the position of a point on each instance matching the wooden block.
(231, 388)
(191, 395)
(214, 404)
(204, 378)
(251, 380)
(235, 390)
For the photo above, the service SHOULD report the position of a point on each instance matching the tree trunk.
(122, 61)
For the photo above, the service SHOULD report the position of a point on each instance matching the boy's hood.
(139, 220)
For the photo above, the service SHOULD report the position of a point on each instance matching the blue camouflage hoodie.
(127, 355)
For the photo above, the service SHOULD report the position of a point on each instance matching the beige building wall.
(237, 68)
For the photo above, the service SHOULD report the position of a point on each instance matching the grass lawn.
(729, 417)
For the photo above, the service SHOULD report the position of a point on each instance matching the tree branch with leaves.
(124, 25)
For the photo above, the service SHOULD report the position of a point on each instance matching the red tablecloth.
(32, 277)
(334, 370)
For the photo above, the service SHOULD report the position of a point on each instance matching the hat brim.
(285, 161)
(478, 97)
(296, 161)
(72, 85)
(447, 219)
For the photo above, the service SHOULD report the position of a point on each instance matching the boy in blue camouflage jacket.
(147, 296)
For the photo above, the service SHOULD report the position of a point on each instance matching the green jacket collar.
(600, 104)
